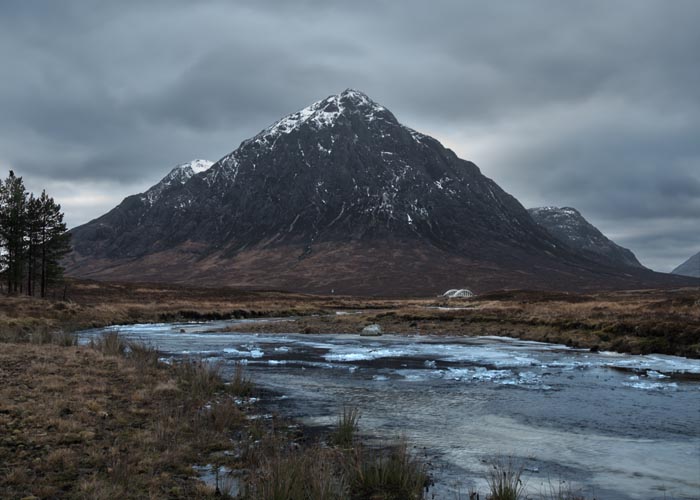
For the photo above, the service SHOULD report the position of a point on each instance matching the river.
(613, 426)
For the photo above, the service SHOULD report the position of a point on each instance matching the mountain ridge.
(690, 267)
(337, 196)
(570, 227)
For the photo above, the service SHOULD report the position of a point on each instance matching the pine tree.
(54, 241)
(13, 214)
(33, 238)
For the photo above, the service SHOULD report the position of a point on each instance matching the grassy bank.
(641, 322)
(110, 421)
(107, 422)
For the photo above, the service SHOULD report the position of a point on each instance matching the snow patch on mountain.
(198, 166)
(324, 113)
(177, 176)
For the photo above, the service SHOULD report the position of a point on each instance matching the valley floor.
(92, 422)
(637, 322)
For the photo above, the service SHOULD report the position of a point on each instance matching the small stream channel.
(613, 426)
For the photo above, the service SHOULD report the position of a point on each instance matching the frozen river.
(617, 426)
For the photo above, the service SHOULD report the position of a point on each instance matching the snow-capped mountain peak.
(177, 176)
(325, 113)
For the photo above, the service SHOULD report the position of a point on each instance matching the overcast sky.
(594, 105)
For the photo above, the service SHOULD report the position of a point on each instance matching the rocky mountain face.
(339, 197)
(568, 226)
(690, 267)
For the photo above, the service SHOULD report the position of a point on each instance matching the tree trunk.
(43, 262)
(30, 253)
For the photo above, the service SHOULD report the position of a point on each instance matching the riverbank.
(644, 322)
(110, 420)
(612, 426)
(77, 423)
(636, 322)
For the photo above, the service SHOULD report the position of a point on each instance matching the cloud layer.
(594, 105)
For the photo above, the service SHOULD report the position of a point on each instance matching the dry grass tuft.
(240, 384)
(392, 475)
(109, 344)
(199, 379)
(504, 480)
(143, 356)
(346, 427)
(310, 473)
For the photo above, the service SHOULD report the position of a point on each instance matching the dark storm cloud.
(587, 104)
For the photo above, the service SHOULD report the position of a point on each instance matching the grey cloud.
(590, 104)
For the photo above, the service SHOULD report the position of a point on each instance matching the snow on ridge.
(322, 113)
(198, 166)
(184, 171)
(180, 174)
(417, 136)
(551, 208)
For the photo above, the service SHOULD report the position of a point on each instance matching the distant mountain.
(690, 267)
(341, 197)
(568, 226)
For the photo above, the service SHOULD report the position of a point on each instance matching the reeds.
(311, 473)
(240, 384)
(391, 475)
(109, 344)
(346, 427)
(198, 378)
(504, 480)
(143, 356)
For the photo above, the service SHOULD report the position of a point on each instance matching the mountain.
(568, 226)
(690, 267)
(339, 197)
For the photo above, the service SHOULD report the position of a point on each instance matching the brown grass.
(640, 322)
(391, 474)
(85, 423)
(644, 321)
